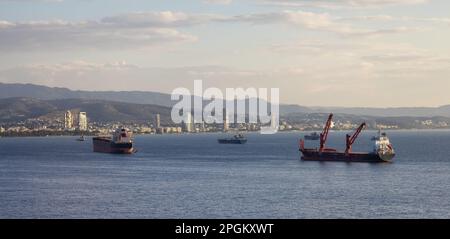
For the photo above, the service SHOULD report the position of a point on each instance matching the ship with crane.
(382, 152)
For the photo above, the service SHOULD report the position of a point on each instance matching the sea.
(191, 176)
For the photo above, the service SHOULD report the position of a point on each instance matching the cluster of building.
(190, 126)
(69, 120)
(74, 123)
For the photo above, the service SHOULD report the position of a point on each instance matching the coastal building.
(226, 123)
(188, 123)
(158, 121)
(172, 130)
(68, 121)
(203, 126)
(157, 124)
(2, 130)
(274, 124)
(82, 121)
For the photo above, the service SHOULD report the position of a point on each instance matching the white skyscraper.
(82, 121)
(274, 124)
(158, 121)
(188, 123)
(68, 120)
(226, 123)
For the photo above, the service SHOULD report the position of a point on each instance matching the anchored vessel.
(121, 142)
(236, 139)
(383, 150)
(81, 138)
(312, 136)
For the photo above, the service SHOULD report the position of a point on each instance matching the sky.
(362, 53)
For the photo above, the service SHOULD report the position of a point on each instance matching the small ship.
(382, 152)
(312, 136)
(81, 138)
(236, 139)
(121, 142)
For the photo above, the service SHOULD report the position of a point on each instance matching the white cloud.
(159, 19)
(388, 18)
(379, 72)
(341, 3)
(25, 1)
(152, 29)
(109, 33)
(223, 2)
(315, 21)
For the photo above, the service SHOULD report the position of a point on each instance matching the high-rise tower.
(82, 121)
(68, 120)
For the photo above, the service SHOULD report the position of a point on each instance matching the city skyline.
(373, 53)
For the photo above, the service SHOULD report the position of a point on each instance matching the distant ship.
(81, 138)
(312, 136)
(236, 139)
(121, 142)
(382, 152)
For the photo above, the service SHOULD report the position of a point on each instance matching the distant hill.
(388, 112)
(50, 93)
(14, 109)
(372, 122)
(154, 98)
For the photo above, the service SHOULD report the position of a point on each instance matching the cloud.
(124, 32)
(25, 1)
(110, 76)
(388, 18)
(159, 19)
(379, 72)
(222, 2)
(143, 30)
(341, 3)
(371, 59)
(314, 21)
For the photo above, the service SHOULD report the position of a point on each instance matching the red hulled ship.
(121, 142)
(383, 150)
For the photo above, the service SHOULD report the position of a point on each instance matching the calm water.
(191, 176)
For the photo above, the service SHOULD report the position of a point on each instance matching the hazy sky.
(319, 53)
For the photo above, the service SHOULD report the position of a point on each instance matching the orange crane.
(351, 139)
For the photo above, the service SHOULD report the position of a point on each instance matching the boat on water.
(121, 142)
(81, 138)
(236, 139)
(312, 136)
(383, 151)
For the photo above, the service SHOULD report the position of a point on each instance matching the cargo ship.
(121, 142)
(236, 139)
(312, 136)
(383, 151)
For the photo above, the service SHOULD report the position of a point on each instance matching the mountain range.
(21, 108)
(160, 99)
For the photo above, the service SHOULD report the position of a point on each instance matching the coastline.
(44, 134)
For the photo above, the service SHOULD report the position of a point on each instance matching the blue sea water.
(192, 176)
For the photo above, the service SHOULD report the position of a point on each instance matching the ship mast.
(351, 139)
(324, 134)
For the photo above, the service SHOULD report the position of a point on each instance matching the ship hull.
(106, 145)
(232, 141)
(335, 156)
